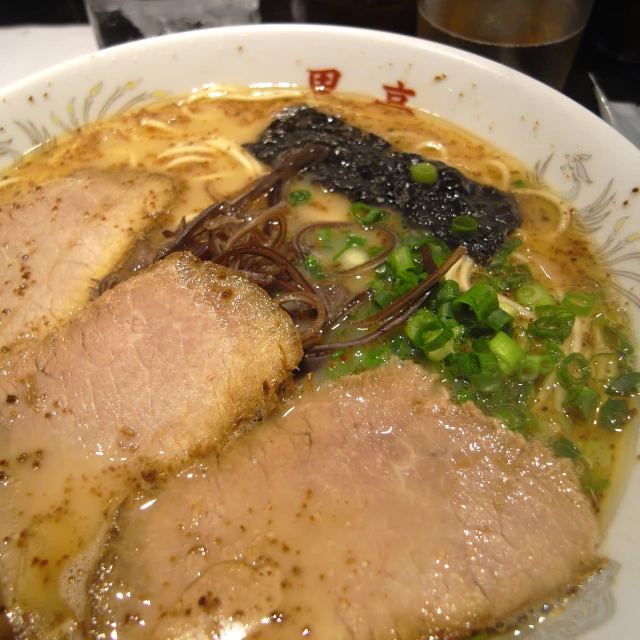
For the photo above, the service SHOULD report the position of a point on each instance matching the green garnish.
(480, 299)
(424, 173)
(574, 369)
(564, 448)
(580, 304)
(555, 326)
(581, 401)
(313, 266)
(508, 352)
(365, 214)
(299, 197)
(351, 242)
(534, 295)
(624, 385)
(614, 414)
(464, 227)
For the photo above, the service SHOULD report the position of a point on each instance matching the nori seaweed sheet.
(365, 168)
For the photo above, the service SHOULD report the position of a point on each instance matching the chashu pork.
(159, 369)
(369, 509)
(58, 239)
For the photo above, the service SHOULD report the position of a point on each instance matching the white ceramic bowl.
(578, 154)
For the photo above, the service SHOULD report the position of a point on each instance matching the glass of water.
(117, 21)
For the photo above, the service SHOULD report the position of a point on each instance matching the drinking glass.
(537, 37)
(117, 21)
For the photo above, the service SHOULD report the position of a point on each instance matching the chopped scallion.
(556, 326)
(574, 369)
(351, 242)
(508, 352)
(383, 298)
(313, 266)
(581, 401)
(480, 299)
(416, 320)
(299, 197)
(464, 227)
(365, 214)
(625, 384)
(579, 303)
(432, 335)
(401, 259)
(447, 291)
(498, 319)
(534, 295)
(564, 448)
(614, 414)
(424, 173)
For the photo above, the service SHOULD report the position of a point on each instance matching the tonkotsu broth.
(144, 139)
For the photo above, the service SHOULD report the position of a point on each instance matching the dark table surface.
(613, 24)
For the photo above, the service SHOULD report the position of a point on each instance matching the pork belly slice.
(160, 368)
(56, 240)
(372, 508)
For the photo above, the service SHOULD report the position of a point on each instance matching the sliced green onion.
(383, 298)
(581, 401)
(445, 310)
(528, 371)
(574, 369)
(565, 448)
(521, 336)
(548, 309)
(482, 370)
(365, 214)
(313, 266)
(623, 385)
(498, 319)
(546, 364)
(464, 227)
(508, 248)
(480, 299)
(424, 173)
(534, 295)
(384, 271)
(579, 303)
(324, 237)
(439, 251)
(401, 259)
(402, 347)
(447, 291)
(534, 366)
(554, 351)
(436, 355)
(614, 336)
(299, 197)
(481, 345)
(514, 418)
(518, 184)
(556, 326)
(351, 242)
(432, 335)
(416, 320)
(614, 414)
(508, 352)
(516, 278)
(472, 363)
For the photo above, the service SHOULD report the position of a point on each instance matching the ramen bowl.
(580, 157)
